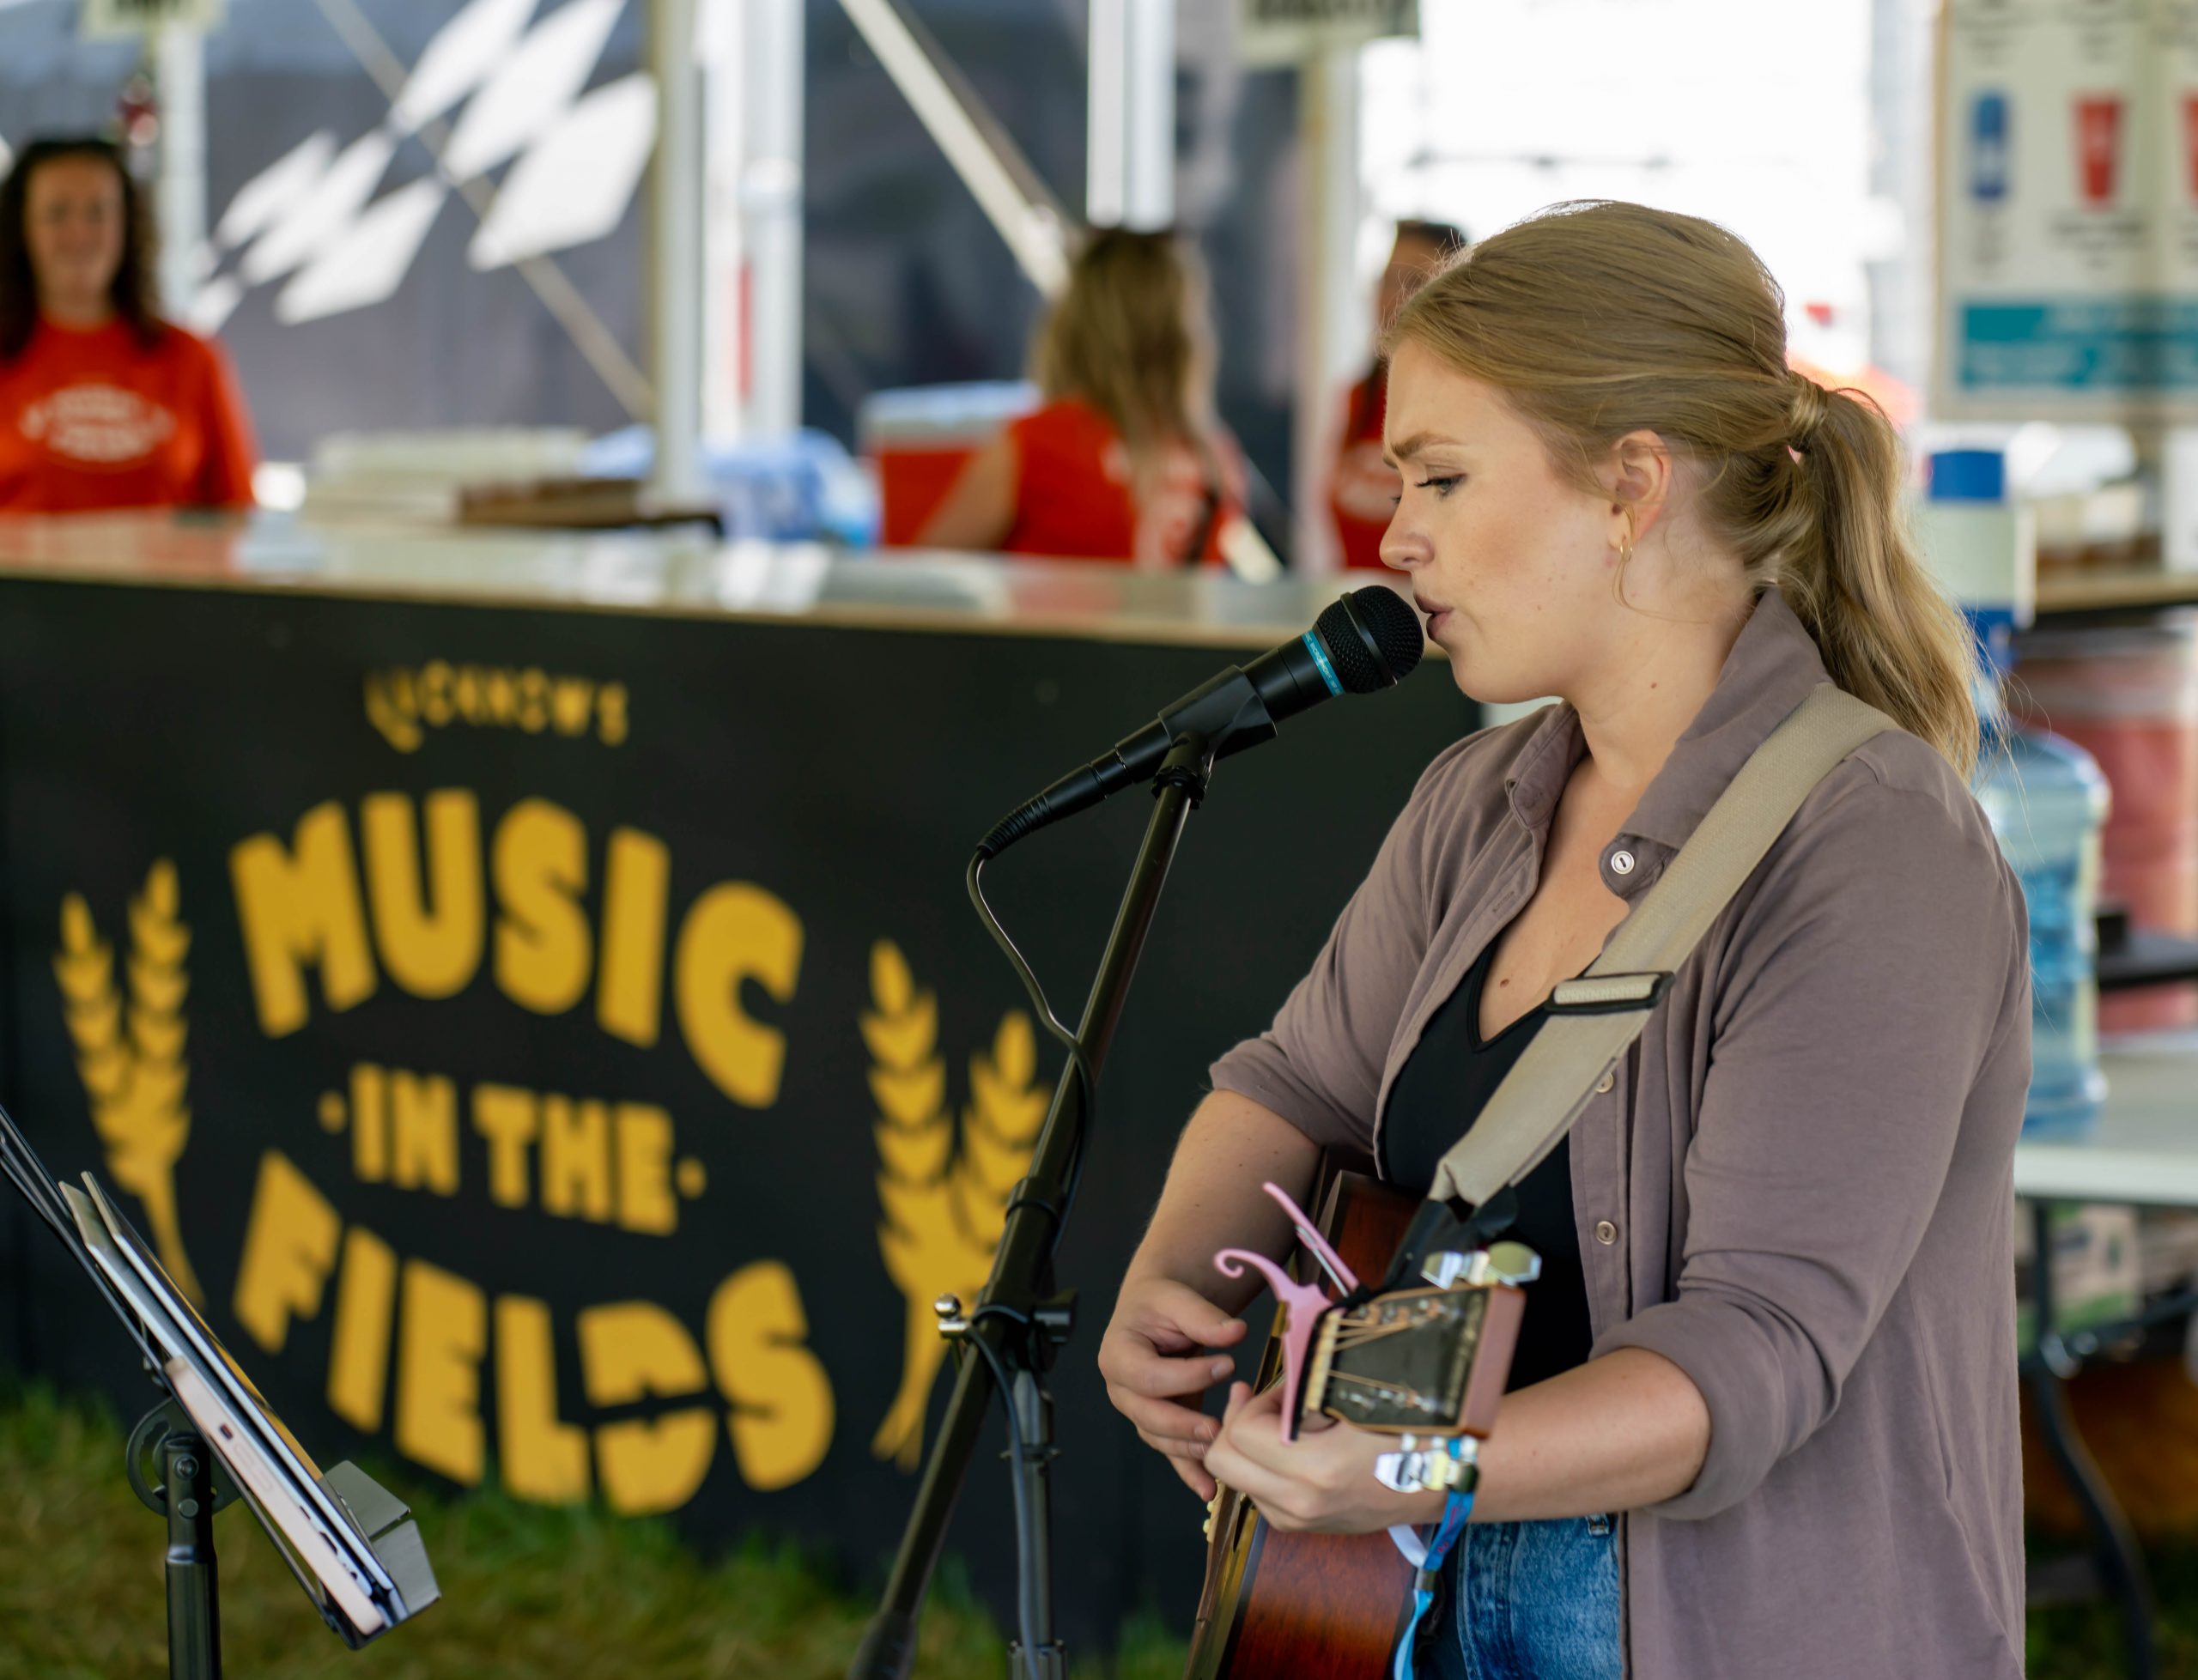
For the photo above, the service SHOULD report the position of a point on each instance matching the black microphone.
(1367, 640)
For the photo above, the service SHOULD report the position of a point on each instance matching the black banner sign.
(555, 1048)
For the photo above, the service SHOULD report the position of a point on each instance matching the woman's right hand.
(1156, 1355)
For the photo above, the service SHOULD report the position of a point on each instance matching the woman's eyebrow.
(1412, 446)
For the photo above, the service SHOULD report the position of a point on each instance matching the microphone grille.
(1373, 638)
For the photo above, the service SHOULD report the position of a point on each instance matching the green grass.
(536, 1593)
(526, 1591)
(2084, 1641)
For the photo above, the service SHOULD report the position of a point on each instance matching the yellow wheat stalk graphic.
(944, 1206)
(134, 1078)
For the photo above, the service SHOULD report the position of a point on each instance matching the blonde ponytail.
(1597, 320)
(1887, 634)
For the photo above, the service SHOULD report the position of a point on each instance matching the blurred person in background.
(103, 404)
(1363, 489)
(1125, 460)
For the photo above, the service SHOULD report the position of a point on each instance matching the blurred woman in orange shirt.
(1125, 460)
(103, 405)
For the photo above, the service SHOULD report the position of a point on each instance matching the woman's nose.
(1401, 549)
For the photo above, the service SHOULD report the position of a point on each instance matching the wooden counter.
(673, 573)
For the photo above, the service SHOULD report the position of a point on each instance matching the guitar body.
(1312, 1606)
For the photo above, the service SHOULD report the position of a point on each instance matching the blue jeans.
(1530, 1601)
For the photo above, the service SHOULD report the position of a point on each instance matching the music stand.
(350, 1543)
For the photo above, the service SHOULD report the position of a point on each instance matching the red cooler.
(2130, 697)
(920, 439)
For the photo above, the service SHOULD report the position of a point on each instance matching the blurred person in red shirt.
(103, 404)
(1362, 489)
(1125, 460)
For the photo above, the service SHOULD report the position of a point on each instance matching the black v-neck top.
(1438, 1095)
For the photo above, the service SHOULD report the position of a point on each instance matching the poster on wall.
(2067, 210)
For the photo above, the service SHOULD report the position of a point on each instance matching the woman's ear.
(1641, 482)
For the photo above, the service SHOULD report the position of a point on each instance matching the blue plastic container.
(2048, 803)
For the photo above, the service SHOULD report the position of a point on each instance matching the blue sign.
(1988, 147)
(2135, 346)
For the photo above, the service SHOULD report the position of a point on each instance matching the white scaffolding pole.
(1331, 327)
(1130, 177)
(753, 52)
(179, 73)
(977, 148)
(771, 199)
(675, 270)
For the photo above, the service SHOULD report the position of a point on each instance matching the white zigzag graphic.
(510, 87)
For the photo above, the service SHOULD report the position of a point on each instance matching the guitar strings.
(1352, 1335)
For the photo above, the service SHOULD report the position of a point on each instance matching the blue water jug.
(2046, 797)
(2048, 803)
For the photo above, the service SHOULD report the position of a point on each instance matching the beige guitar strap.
(1592, 1020)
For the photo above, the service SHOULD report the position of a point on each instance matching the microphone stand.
(1019, 1320)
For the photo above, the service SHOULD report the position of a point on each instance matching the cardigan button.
(1606, 1233)
(1603, 1085)
(1621, 863)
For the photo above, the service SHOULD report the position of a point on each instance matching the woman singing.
(1762, 1419)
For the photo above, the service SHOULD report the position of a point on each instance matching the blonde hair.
(1126, 337)
(1596, 320)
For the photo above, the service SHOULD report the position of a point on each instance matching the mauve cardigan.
(1800, 1192)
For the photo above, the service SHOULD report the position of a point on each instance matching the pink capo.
(1301, 1303)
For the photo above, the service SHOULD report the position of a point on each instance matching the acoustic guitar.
(1421, 1364)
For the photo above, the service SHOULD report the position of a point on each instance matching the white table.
(2144, 1152)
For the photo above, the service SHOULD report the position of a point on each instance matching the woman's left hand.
(1322, 1483)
